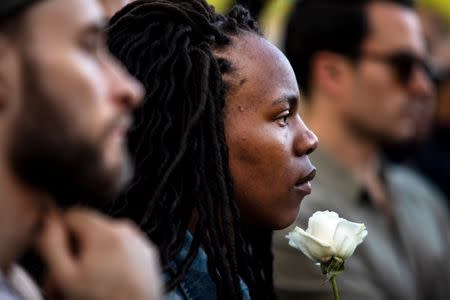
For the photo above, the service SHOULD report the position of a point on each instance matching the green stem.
(334, 286)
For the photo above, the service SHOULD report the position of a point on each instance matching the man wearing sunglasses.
(365, 79)
(433, 155)
(65, 107)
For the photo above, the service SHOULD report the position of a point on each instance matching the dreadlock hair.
(178, 142)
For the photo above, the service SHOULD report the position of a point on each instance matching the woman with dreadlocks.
(220, 149)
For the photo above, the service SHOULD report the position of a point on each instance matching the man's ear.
(330, 72)
(9, 69)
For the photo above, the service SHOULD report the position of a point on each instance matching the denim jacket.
(196, 284)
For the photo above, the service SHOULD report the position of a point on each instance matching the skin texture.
(112, 262)
(75, 146)
(110, 7)
(267, 140)
(371, 88)
(64, 111)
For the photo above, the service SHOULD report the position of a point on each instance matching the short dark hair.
(338, 26)
(12, 26)
(11, 14)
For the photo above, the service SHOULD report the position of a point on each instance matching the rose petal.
(347, 237)
(322, 225)
(314, 248)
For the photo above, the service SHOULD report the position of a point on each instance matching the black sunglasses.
(442, 76)
(403, 64)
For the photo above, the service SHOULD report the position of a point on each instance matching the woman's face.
(268, 142)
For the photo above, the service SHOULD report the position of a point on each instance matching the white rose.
(327, 236)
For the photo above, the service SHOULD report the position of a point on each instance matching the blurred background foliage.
(441, 7)
(277, 7)
(272, 14)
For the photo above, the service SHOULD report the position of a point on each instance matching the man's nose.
(127, 91)
(421, 84)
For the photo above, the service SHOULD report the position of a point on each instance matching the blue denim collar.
(197, 283)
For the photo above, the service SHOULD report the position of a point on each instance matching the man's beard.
(46, 153)
(360, 128)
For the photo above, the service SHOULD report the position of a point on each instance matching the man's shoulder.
(405, 178)
(5, 292)
(413, 187)
(405, 175)
(18, 285)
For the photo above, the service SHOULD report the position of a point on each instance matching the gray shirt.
(6, 293)
(404, 257)
(17, 285)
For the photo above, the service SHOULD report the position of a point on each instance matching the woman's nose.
(306, 141)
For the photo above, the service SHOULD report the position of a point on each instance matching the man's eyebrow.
(289, 99)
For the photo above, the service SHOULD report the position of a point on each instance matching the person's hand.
(110, 7)
(92, 257)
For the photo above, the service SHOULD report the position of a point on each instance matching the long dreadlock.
(178, 142)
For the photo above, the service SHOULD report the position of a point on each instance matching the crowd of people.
(158, 149)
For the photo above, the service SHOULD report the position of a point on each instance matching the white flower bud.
(327, 236)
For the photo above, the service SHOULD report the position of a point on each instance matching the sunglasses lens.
(443, 76)
(431, 72)
(403, 65)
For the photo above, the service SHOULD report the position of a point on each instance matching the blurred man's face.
(441, 55)
(390, 94)
(110, 7)
(69, 105)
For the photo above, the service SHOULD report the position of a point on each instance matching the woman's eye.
(282, 120)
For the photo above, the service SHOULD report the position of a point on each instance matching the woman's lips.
(304, 188)
(303, 185)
